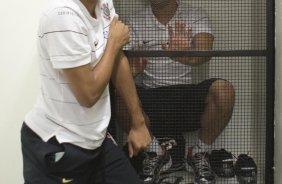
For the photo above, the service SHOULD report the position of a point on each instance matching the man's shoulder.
(60, 15)
(57, 5)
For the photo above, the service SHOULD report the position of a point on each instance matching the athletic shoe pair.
(205, 167)
(153, 165)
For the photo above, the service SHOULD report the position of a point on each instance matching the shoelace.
(149, 163)
(202, 164)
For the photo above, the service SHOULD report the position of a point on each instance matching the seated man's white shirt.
(147, 33)
(69, 37)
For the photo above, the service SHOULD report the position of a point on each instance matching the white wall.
(18, 79)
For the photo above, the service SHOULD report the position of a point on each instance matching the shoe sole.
(246, 180)
(205, 182)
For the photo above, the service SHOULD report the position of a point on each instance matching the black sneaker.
(153, 165)
(202, 169)
(222, 163)
(246, 170)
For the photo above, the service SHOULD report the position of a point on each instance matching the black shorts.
(175, 109)
(104, 165)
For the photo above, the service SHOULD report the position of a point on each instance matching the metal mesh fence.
(200, 69)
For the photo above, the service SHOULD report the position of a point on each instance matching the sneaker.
(222, 163)
(167, 144)
(153, 165)
(149, 165)
(201, 168)
(246, 170)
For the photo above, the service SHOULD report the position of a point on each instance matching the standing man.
(64, 137)
(173, 104)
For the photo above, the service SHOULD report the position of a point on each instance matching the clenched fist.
(118, 33)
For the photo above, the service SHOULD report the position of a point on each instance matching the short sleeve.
(199, 21)
(65, 38)
(203, 24)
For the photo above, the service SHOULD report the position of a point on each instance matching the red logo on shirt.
(106, 11)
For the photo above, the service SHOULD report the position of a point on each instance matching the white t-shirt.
(147, 33)
(69, 37)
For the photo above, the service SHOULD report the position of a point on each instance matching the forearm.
(124, 83)
(139, 136)
(102, 72)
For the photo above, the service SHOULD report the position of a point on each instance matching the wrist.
(137, 120)
(113, 47)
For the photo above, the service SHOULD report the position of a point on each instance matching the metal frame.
(221, 53)
(270, 59)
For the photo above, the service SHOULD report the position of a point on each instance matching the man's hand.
(138, 138)
(118, 33)
(180, 39)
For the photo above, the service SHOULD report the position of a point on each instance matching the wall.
(18, 79)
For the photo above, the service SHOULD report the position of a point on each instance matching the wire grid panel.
(236, 25)
(178, 114)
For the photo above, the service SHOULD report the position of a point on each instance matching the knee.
(223, 93)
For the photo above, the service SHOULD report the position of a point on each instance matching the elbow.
(88, 101)
(87, 97)
(87, 104)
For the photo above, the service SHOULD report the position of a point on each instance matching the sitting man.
(173, 104)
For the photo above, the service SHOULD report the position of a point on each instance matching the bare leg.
(220, 102)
